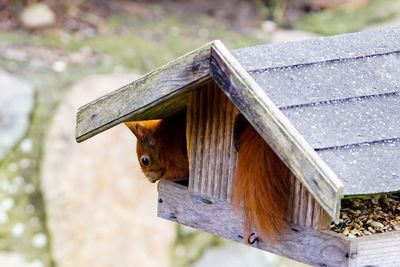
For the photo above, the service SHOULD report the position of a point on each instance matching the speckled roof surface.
(342, 94)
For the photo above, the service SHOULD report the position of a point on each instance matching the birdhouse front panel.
(210, 136)
(213, 129)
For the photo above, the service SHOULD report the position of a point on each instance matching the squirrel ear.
(137, 129)
(142, 131)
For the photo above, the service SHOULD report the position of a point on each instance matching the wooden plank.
(377, 250)
(212, 157)
(304, 209)
(294, 207)
(304, 206)
(276, 129)
(216, 216)
(157, 94)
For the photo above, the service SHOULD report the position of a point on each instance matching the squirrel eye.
(145, 160)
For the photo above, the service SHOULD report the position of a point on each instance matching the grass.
(350, 19)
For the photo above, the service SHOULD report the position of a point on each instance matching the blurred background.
(67, 204)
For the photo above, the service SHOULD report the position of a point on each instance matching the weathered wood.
(315, 247)
(320, 75)
(216, 216)
(136, 101)
(304, 209)
(212, 157)
(276, 129)
(377, 250)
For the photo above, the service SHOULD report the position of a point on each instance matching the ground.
(99, 37)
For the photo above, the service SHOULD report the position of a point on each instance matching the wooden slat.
(158, 94)
(310, 210)
(212, 157)
(318, 248)
(377, 250)
(304, 209)
(274, 127)
(177, 204)
(303, 205)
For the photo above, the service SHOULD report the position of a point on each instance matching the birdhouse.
(328, 107)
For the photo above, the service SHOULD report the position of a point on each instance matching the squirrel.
(161, 147)
(261, 182)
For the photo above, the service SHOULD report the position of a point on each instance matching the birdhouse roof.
(329, 107)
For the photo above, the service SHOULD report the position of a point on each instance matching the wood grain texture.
(377, 250)
(325, 88)
(315, 247)
(304, 209)
(216, 216)
(136, 101)
(212, 157)
(276, 129)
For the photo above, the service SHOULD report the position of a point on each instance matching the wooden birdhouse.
(328, 107)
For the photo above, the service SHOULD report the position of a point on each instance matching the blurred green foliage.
(349, 19)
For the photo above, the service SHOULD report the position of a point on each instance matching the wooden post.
(210, 131)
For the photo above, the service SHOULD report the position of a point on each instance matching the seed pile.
(367, 216)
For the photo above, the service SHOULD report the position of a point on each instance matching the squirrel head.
(148, 148)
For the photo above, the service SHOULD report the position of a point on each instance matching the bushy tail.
(261, 185)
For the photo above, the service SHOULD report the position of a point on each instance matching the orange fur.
(164, 143)
(261, 183)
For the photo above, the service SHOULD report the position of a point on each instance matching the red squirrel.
(261, 182)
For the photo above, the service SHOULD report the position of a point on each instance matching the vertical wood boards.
(273, 126)
(212, 155)
(304, 209)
